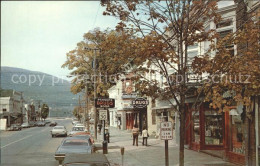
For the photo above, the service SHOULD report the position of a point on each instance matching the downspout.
(257, 129)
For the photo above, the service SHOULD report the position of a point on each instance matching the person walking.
(145, 136)
(135, 133)
(119, 124)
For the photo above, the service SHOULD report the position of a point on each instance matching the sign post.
(166, 134)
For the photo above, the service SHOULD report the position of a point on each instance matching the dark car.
(74, 145)
(40, 124)
(32, 124)
(95, 159)
(47, 121)
(52, 124)
(15, 127)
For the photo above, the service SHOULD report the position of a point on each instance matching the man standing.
(135, 133)
(145, 136)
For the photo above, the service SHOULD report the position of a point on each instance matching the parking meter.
(122, 150)
(122, 154)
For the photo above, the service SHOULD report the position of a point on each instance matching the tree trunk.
(182, 130)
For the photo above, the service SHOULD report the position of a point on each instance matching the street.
(34, 146)
(31, 146)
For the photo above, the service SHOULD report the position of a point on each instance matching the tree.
(114, 53)
(44, 111)
(76, 112)
(235, 73)
(167, 28)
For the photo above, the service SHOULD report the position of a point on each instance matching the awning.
(162, 107)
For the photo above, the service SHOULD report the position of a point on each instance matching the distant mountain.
(39, 86)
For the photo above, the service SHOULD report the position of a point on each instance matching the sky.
(36, 35)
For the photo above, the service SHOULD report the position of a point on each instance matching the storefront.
(214, 131)
(205, 129)
(235, 149)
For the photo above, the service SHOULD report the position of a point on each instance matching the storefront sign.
(140, 103)
(166, 131)
(104, 103)
(129, 96)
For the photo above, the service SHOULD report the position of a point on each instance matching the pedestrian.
(145, 136)
(119, 124)
(135, 133)
(99, 128)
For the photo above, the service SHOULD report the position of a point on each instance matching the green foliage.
(44, 111)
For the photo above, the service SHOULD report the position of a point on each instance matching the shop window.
(213, 128)
(237, 136)
(196, 128)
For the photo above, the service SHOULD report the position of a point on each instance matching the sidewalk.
(153, 154)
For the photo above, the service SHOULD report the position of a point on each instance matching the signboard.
(140, 103)
(102, 114)
(166, 131)
(104, 103)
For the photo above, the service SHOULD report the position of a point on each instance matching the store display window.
(237, 136)
(196, 128)
(213, 127)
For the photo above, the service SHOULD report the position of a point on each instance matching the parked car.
(75, 130)
(59, 130)
(75, 121)
(79, 125)
(47, 121)
(74, 145)
(83, 135)
(40, 124)
(15, 127)
(95, 159)
(25, 125)
(33, 124)
(53, 123)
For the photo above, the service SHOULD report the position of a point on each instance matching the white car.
(79, 125)
(25, 125)
(75, 130)
(74, 122)
(59, 130)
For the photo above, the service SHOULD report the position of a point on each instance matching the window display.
(196, 128)
(213, 128)
(237, 136)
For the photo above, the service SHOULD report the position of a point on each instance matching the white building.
(11, 106)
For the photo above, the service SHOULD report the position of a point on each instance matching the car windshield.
(77, 129)
(87, 164)
(75, 143)
(58, 127)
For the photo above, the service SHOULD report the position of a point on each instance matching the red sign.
(104, 103)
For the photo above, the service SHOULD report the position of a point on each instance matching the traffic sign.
(166, 131)
(102, 114)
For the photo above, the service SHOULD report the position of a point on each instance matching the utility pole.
(95, 96)
(79, 109)
(86, 112)
(95, 93)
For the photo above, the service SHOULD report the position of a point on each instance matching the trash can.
(105, 147)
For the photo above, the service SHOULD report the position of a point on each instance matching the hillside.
(39, 86)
